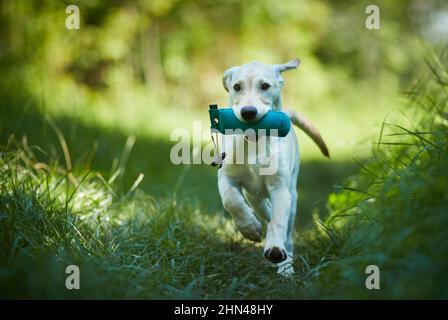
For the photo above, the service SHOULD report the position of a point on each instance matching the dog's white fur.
(244, 192)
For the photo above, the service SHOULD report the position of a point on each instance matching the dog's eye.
(237, 87)
(265, 86)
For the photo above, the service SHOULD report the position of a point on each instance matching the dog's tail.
(309, 129)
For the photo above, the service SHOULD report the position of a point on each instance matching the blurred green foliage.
(147, 67)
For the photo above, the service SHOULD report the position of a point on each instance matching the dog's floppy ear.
(227, 77)
(293, 64)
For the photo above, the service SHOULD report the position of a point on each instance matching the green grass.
(133, 242)
(129, 245)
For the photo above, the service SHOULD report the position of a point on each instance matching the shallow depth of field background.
(144, 70)
(141, 70)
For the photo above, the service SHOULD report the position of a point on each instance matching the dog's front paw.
(275, 254)
(252, 230)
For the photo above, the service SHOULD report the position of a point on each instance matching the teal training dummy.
(225, 121)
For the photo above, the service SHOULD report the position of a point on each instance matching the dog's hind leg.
(233, 201)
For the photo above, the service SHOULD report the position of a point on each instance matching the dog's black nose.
(248, 112)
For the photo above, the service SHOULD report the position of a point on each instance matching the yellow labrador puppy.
(254, 89)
